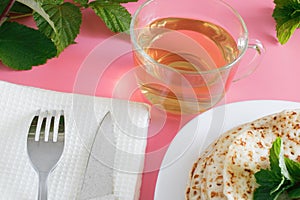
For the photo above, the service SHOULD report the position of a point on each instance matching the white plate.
(201, 131)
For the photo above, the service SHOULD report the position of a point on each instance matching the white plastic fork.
(45, 144)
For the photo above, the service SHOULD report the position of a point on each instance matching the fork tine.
(57, 117)
(41, 116)
(48, 123)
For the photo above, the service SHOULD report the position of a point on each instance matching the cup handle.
(255, 59)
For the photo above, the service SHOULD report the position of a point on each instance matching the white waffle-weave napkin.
(18, 104)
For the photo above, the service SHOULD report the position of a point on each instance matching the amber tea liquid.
(185, 77)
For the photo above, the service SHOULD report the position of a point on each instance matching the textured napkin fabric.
(18, 105)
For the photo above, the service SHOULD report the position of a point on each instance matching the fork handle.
(42, 195)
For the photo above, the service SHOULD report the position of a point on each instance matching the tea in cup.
(187, 52)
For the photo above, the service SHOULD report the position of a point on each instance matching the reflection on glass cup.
(187, 52)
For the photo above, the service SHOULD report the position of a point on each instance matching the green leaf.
(37, 7)
(285, 3)
(294, 192)
(282, 15)
(265, 177)
(277, 188)
(283, 186)
(293, 168)
(122, 1)
(67, 20)
(276, 181)
(284, 196)
(115, 16)
(265, 193)
(269, 180)
(22, 47)
(277, 159)
(20, 8)
(274, 156)
(262, 193)
(287, 17)
(286, 30)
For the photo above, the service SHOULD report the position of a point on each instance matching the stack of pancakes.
(225, 170)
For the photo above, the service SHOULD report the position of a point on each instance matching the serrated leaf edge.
(37, 7)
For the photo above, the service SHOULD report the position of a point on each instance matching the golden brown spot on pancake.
(298, 158)
(240, 142)
(286, 155)
(275, 128)
(261, 128)
(231, 177)
(188, 191)
(260, 145)
(295, 134)
(250, 154)
(293, 139)
(250, 133)
(278, 134)
(214, 194)
(263, 158)
(296, 126)
(249, 191)
(262, 134)
(193, 169)
(233, 159)
(243, 143)
(257, 167)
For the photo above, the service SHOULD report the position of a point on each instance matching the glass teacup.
(187, 52)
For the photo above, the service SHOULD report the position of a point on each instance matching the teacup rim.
(245, 37)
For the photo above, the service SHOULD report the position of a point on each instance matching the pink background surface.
(277, 77)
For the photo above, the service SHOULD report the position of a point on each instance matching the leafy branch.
(58, 24)
(282, 180)
(287, 17)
